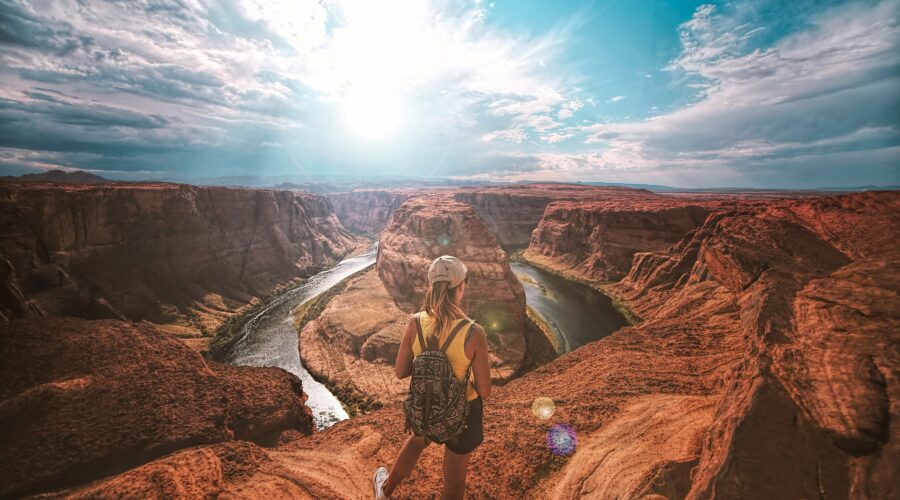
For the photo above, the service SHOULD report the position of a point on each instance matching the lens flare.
(561, 440)
(443, 240)
(543, 408)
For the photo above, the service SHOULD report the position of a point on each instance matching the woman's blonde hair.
(440, 303)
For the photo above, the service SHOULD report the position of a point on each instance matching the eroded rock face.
(597, 240)
(164, 253)
(511, 216)
(368, 211)
(513, 212)
(354, 341)
(83, 399)
(754, 373)
(804, 409)
(427, 227)
(200, 472)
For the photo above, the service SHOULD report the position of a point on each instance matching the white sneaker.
(381, 475)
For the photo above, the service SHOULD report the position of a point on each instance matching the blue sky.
(751, 93)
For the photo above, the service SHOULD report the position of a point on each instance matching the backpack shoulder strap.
(468, 336)
(453, 333)
(418, 320)
(469, 333)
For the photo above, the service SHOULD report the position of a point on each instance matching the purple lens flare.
(562, 440)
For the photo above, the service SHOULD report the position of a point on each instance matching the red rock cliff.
(597, 239)
(367, 211)
(513, 212)
(511, 216)
(164, 253)
(808, 406)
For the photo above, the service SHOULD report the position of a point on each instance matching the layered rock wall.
(164, 253)
(511, 216)
(367, 211)
(766, 367)
(596, 240)
(807, 408)
(513, 212)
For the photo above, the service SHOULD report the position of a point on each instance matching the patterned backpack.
(436, 406)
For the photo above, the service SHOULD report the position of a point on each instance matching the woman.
(441, 311)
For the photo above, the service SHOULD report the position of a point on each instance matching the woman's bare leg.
(455, 468)
(405, 462)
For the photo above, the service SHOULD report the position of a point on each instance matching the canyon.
(765, 363)
(179, 256)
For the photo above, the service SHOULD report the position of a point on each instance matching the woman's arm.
(480, 365)
(403, 366)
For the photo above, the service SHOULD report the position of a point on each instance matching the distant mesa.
(59, 176)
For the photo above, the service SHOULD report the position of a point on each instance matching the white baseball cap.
(447, 268)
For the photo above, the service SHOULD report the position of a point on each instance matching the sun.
(372, 114)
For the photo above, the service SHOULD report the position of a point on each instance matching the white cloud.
(514, 135)
(569, 108)
(557, 137)
(616, 98)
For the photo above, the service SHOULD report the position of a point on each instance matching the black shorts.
(472, 435)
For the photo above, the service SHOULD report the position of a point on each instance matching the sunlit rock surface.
(513, 212)
(354, 341)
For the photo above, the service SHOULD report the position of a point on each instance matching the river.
(269, 337)
(576, 313)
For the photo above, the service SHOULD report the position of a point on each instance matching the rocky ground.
(85, 399)
(766, 365)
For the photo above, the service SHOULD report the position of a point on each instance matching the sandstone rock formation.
(513, 212)
(597, 240)
(353, 343)
(163, 253)
(427, 227)
(83, 399)
(367, 211)
(806, 409)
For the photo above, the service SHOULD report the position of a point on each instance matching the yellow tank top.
(456, 351)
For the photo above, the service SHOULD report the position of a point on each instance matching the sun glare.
(372, 114)
(380, 52)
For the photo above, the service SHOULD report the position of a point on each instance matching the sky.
(748, 93)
